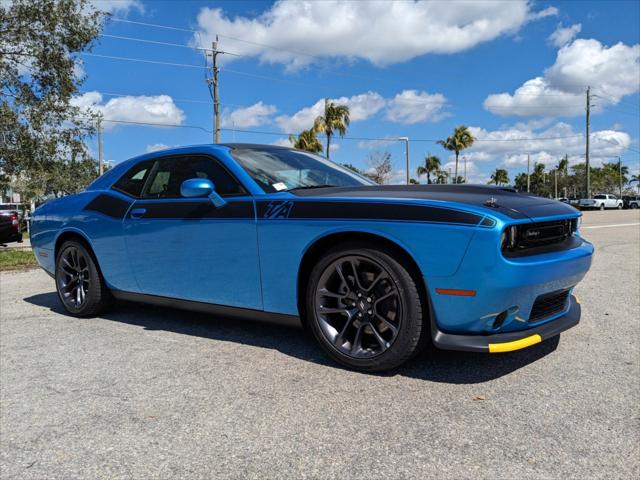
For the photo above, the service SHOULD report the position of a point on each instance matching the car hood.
(492, 199)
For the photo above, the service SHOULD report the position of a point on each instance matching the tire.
(602, 206)
(372, 324)
(79, 283)
(619, 206)
(634, 206)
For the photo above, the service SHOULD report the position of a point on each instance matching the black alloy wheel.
(80, 285)
(365, 309)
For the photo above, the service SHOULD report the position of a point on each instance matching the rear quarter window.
(132, 182)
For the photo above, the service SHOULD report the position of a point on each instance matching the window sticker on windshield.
(279, 186)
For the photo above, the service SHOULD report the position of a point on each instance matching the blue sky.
(514, 72)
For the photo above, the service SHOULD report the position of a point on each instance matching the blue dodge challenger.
(271, 233)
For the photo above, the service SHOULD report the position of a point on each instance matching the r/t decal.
(278, 210)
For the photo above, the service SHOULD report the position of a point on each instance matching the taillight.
(14, 221)
(508, 240)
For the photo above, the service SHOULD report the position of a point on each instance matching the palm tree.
(500, 177)
(563, 166)
(336, 117)
(441, 176)
(431, 165)
(457, 142)
(307, 140)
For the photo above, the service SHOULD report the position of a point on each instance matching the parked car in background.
(563, 200)
(601, 202)
(266, 232)
(628, 200)
(10, 229)
(574, 202)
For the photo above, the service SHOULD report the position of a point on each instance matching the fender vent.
(548, 305)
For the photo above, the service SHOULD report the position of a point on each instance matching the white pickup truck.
(601, 201)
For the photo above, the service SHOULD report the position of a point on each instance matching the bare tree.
(379, 164)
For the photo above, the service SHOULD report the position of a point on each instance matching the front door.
(187, 248)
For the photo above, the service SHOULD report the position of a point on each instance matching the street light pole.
(406, 142)
(465, 168)
(100, 160)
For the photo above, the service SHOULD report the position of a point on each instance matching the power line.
(175, 100)
(122, 20)
(151, 124)
(262, 132)
(156, 62)
(154, 42)
(238, 72)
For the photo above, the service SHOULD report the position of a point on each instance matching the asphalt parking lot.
(148, 392)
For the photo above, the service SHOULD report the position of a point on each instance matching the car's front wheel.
(602, 206)
(364, 308)
(81, 288)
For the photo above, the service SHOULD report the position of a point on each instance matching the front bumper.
(508, 341)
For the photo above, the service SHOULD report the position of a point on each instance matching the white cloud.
(380, 32)
(253, 116)
(547, 12)
(613, 71)
(377, 144)
(361, 107)
(407, 107)
(116, 7)
(282, 142)
(158, 109)
(510, 145)
(411, 106)
(156, 147)
(563, 35)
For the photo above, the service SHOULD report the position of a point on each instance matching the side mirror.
(201, 187)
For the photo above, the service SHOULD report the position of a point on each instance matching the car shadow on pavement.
(432, 365)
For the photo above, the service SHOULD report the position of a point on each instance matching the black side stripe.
(108, 205)
(194, 210)
(363, 211)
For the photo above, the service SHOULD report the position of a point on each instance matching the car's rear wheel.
(81, 288)
(364, 308)
(602, 206)
(634, 205)
(619, 206)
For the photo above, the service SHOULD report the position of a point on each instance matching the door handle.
(138, 212)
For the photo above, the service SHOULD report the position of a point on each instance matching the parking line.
(611, 226)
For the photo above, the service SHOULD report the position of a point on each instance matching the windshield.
(280, 169)
(600, 197)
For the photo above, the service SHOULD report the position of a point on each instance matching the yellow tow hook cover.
(515, 345)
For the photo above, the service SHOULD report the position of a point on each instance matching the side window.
(169, 173)
(132, 182)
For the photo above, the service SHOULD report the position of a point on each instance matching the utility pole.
(450, 179)
(555, 188)
(528, 177)
(216, 98)
(588, 172)
(100, 160)
(406, 142)
(620, 175)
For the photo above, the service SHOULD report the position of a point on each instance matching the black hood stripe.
(339, 210)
